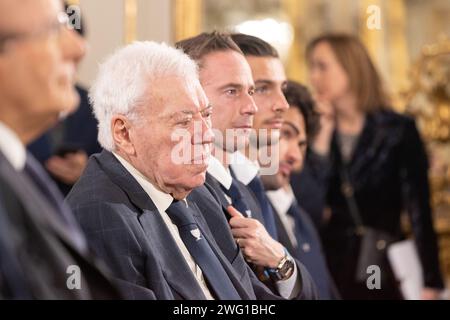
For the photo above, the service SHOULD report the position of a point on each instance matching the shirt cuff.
(290, 288)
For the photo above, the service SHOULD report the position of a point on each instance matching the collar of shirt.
(281, 199)
(219, 172)
(161, 200)
(12, 148)
(244, 169)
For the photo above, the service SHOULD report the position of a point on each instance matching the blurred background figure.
(373, 166)
(65, 148)
(41, 244)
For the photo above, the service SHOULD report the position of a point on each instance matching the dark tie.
(236, 198)
(268, 215)
(49, 190)
(201, 251)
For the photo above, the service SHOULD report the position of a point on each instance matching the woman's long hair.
(364, 80)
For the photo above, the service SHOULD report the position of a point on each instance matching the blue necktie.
(201, 251)
(268, 215)
(236, 198)
(49, 190)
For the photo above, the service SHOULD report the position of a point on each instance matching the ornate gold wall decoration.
(428, 99)
(397, 50)
(296, 65)
(187, 18)
(73, 2)
(130, 20)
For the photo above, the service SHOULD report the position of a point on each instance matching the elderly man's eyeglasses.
(54, 28)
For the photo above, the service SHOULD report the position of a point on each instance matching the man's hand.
(69, 168)
(252, 237)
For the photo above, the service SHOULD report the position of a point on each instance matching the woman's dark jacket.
(389, 173)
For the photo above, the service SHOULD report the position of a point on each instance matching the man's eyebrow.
(264, 81)
(290, 124)
(190, 112)
(231, 85)
(209, 106)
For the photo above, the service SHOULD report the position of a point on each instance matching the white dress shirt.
(12, 148)
(162, 202)
(245, 170)
(221, 174)
(282, 200)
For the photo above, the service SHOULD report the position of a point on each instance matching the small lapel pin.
(196, 234)
(248, 213)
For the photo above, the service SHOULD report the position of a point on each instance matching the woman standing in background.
(366, 166)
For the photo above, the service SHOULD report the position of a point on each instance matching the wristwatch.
(284, 269)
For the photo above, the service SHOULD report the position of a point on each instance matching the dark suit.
(124, 227)
(12, 277)
(308, 287)
(308, 250)
(43, 243)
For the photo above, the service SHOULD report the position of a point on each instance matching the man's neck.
(176, 192)
(27, 129)
(223, 156)
(251, 152)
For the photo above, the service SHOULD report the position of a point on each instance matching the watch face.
(286, 268)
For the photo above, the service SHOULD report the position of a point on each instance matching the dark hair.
(199, 46)
(253, 46)
(364, 79)
(298, 96)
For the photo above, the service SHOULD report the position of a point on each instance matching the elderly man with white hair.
(142, 209)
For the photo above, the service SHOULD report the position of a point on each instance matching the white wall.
(104, 24)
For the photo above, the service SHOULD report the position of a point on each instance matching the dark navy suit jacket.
(43, 245)
(124, 227)
(308, 287)
(309, 251)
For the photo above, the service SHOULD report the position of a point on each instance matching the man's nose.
(73, 46)
(249, 106)
(205, 135)
(294, 154)
(281, 104)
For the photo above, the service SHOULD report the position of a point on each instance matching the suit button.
(306, 247)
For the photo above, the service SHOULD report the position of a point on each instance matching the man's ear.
(120, 128)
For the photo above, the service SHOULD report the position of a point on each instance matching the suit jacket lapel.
(223, 260)
(172, 262)
(212, 183)
(41, 211)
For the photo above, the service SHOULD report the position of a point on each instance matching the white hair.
(126, 78)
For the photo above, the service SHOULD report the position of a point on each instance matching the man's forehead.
(183, 97)
(294, 118)
(25, 15)
(267, 68)
(225, 67)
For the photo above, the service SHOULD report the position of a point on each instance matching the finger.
(243, 233)
(238, 222)
(241, 242)
(233, 212)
